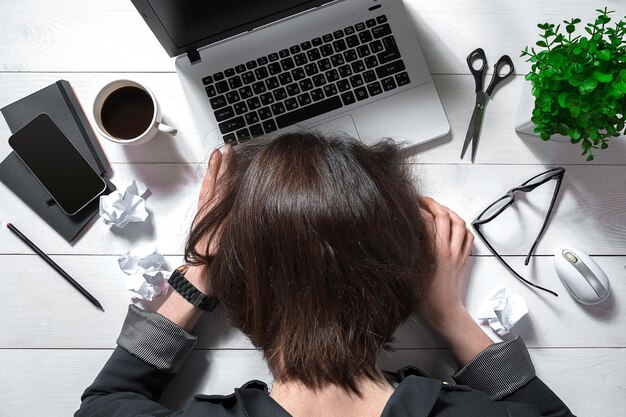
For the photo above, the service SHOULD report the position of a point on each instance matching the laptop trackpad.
(343, 125)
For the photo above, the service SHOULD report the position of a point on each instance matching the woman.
(318, 249)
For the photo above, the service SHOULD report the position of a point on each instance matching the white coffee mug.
(152, 129)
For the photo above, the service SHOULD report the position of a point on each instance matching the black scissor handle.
(479, 73)
(497, 78)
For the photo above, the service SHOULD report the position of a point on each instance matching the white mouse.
(581, 275)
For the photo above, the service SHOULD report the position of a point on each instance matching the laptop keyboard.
(306, 80)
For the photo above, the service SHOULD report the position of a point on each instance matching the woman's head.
(322, 253)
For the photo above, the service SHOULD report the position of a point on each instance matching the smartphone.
(57, 164)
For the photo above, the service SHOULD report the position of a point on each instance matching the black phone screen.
(57, 164)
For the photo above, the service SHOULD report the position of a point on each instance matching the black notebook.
(60, 103)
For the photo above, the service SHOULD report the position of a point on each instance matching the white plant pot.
(523, 124)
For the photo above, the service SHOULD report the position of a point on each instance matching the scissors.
(473, 131)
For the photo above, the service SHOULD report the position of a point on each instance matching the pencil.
(56, 267)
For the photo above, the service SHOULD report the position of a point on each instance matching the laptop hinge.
(193, 55)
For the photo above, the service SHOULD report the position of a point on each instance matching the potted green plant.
(579, 82)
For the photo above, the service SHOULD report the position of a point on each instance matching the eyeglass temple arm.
(497, 255)
(545, 221)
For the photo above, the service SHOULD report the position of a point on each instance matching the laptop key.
(388, 83)
(265, 113)
(317, 94)
(240, 68)
(283, 53)
(252, 118)
(316, 41)
(371, 62)
(349, 30)
(391, 68)
(224, 113)
(272, 83)
(324, 64)
(338, 34)
(360, 26)
(340, 45)
(319, 80)
(235, 82)
(207, 80)
(291, 104)
(304, 99)
(350, 55)
(300, 59)
(381, 19)
(306, 84)
(294, 49)
(218, 76)
(337, 60)
(251, 65)
(254, 103)
(348, 98)
(232, 97)
(267, 98)
(358, 66)
(389, 41)
(229, 72)
(221, 87)
(343, 85)
(261, 73)
(293, 89)
(402, 79)
(245, 92)
(327, 38)
(356, 80)
(361, 93)
(380, 31)
(305, 45)
(232, 125)
(390, 54)
(269, 126)
(370, 23)
(280, 94)
(327, 50)
(287, 64)
(369, 76)
(365, 36)
(285, 78)
(274, 68)
(248, 77)
(256, 130)
(376, 46)
(309, 112)
(273, 57)
(278, 108)
(332, 75)
(374, 88)
(243, 134)
(241, 108)
(230, 139)
(210, 90)
(298, 74)
(262, 61)
(363, 51)
(352, 41)
(259, 87)
(330, 90)
(345, 71)
(218, 102)
(311, 69)
(313, 54)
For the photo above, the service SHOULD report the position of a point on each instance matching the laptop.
(251, 68)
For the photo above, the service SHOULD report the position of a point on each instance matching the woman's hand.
(453, 242)
(442, 307)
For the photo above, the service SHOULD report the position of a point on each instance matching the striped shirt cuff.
(499, 370)
(155, 340)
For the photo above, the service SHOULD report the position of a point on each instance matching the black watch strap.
(190, 293)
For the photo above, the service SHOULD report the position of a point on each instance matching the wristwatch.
(189, 292)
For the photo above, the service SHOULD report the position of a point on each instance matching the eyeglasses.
(506, 201)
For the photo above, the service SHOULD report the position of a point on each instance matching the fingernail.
(215, 152)
(226, 149)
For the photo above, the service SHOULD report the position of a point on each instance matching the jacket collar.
(413, 397)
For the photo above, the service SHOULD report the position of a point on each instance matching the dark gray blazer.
(500, 381)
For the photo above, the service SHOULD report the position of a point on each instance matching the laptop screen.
(182, 25)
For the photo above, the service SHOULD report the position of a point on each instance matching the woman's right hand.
(453, 242)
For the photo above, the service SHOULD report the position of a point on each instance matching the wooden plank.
(499, 143)
(591, 210)
(29, 372)
(60, 38)
(56, 316)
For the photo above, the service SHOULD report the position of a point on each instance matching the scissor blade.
(473, 132)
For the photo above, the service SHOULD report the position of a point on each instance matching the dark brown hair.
(322, 253)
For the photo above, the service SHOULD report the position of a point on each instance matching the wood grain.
(28, 373)
(499, 143)
(59, 317)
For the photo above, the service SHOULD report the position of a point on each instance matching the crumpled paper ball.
(146, 277)
(120, 208)
(503, 310)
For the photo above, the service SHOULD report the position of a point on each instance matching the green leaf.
(604, 145)
(543, 44)
(590, 157)
(588, 86)
(601, 77)
(603, 55)
(574, 134)
(577, 80)
(586, 144)
(570, 28)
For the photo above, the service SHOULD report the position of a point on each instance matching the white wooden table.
(53, 342)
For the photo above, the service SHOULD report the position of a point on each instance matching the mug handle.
(166, 129)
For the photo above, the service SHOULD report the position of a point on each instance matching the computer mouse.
(581, 275)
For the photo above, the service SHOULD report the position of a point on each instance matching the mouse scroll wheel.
(570, 256)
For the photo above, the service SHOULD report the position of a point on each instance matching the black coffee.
(127, 112)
